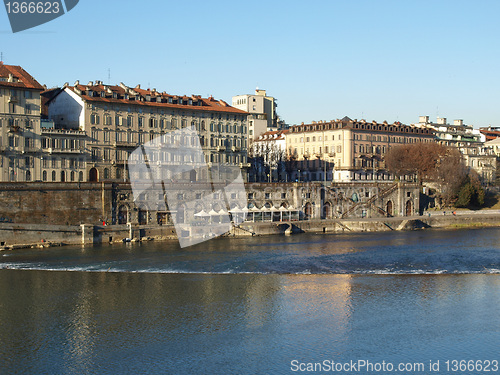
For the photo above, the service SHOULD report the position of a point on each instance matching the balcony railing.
(64, 151)
(124, 144)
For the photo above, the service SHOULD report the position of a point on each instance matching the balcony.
(235, 149)
(12, 99)
(124, 144)
(220, 148)
(71, 151)
(30, 150)
(63, 132)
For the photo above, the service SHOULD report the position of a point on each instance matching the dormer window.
(126, 96)
(115, 95)
(170, 100)
(90, 93)
(190, 102)
(103, 94)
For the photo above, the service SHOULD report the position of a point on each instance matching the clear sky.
(322, 60)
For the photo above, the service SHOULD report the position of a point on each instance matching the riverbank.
(15, 236)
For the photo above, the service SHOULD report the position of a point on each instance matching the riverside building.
(118, 119)
(20, 153)
(347, 150)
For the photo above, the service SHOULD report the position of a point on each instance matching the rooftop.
(15, 76)
(122, 94)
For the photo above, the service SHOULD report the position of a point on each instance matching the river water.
(261, 305)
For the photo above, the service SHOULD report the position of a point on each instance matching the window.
(130, 121)
(141, 122)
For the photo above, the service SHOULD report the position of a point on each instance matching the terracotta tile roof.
(490, 134)
(138, 96)
(21, 77)
(273, 135)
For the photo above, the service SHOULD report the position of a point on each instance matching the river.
(260, 305)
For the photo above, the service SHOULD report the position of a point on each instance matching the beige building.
(262, 110)
(63, 154)
(19, 125)
(347, 150)
(118, 119)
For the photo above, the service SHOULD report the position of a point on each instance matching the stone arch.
(389, 208)
(93, 175)
(327, 210)
(192, 175)
(308, 210)
(408, 208)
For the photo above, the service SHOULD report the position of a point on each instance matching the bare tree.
(430, 162)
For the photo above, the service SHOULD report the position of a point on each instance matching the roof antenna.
(109, 76)
(1, 57)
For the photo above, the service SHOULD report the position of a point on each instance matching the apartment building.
(262, 112)
(347, 150)
(19, 125)
(118, 119)
(63, 154)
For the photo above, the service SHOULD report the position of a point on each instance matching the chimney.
(423, 119)
(441, 120)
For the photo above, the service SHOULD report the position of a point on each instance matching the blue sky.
(322, 60)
